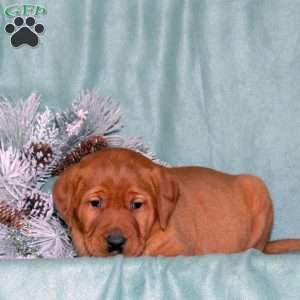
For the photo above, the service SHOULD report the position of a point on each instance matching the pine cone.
(41, 153)
(10, 216)
(88, 146)
(36, 207)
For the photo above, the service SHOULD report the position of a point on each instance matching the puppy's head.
(112, 199)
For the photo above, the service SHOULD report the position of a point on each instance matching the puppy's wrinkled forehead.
(115, 167)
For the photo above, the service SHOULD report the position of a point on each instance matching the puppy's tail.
(281, 246)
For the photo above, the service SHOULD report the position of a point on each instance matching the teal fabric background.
(213, 83)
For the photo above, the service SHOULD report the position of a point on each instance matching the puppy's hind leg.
(261, 230)
(261, 210)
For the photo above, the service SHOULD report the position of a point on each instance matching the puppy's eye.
(136, 204)
(96, 203)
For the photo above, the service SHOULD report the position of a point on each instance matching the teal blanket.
(250, 275)
(208, 82)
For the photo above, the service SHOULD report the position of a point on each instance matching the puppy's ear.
(63, 192)
(167, 195)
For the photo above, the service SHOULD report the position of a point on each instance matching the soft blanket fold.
(249, 275)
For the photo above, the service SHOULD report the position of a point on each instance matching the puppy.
(116, 201)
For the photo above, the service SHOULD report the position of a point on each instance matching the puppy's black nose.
(115, 242)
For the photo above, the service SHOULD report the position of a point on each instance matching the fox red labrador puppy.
(118, 201)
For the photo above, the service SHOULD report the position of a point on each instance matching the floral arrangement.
(36, 144)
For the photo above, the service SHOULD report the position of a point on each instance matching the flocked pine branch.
(16, 175)
(17, 118)
(49, 237)
(44, 129)
(24, 127)
(13, 244)
(103, 116)
(90, 115)
(7, 248)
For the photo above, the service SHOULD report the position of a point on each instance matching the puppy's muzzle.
(115, 242)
